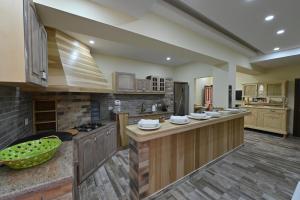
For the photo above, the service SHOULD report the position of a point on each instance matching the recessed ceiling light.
(168, 58)
(269, 18)
(279, 32)
(92, 42)
(276, 49)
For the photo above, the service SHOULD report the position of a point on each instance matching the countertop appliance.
(88, 127)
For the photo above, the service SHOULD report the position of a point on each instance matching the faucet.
(142, 108)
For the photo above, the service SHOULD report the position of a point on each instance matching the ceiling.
(245, 19)
(125, 50)
(135, 8)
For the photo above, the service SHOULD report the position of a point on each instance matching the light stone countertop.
(265, 107)
(58, 169)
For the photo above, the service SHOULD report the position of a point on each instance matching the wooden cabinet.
(251, 119)
(275, 90)
(267, 119)
(266, 89)
(157, 84)
(250, 90)
(162, 84)
(92, 149)
(143, 85)
(124, 82)
(23, 54)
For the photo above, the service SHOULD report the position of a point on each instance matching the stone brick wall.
(15, 106)
(73, 109)
(132, 103)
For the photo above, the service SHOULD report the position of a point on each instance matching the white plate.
(233, 110)
(149, 129)
(180, 123)
(199, 118)
(214, 114)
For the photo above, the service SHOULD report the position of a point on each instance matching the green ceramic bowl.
(31, 153)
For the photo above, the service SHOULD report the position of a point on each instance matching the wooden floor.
(266, 167)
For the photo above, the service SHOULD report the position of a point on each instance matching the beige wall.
(199, 88)
(188, 73)
(283, 73)
(110, 64)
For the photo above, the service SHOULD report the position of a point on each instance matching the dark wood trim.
(296, 126)
(194, 13)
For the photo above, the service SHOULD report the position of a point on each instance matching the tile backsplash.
(132, 103)
(15, 107)
(73, 109)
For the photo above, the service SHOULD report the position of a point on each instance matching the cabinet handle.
(44, 75)
(272, 110)
(95, 139)
(107, 133)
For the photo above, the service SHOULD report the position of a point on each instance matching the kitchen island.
(160, 157)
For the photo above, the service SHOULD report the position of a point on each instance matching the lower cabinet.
(92, 149)
(267, 119)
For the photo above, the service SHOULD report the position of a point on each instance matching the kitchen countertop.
(168, 128)
(150, 114)
(57, 170)
(266, 107)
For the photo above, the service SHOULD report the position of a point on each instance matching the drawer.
(274, 111)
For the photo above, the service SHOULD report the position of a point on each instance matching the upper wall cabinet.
(124, 82)
(23, 50)
(267, 89)
(250, 90)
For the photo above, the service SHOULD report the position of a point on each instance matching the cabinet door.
(273, 121)
(143, 85)
(251, 119)
(125, 82)
(111, 140)
(86, 156)
(33, 40)
(274, 90)
(162, 83)
(250, 90)
(44, 56)
(100, 154)
(155, 84)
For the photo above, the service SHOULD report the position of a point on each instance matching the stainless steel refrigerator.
(181, 98)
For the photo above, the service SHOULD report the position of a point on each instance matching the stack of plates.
(234, 110)
(213, 114)
(225, 112)
(179, 120)
(199, 116)
(148, 124)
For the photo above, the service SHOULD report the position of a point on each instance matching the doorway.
(181, 98)
(203, 94)
(296, 131)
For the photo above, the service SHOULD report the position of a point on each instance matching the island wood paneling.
(156, 163)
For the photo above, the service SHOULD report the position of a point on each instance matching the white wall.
(279, 74)
(188, 73)
(109, 64)
(199, 88)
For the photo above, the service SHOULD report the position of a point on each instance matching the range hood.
(71, 67)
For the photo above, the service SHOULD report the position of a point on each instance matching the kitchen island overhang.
(160, 157)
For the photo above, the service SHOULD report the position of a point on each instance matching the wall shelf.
(44, 115)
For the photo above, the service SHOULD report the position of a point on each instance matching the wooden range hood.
(71, 66)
